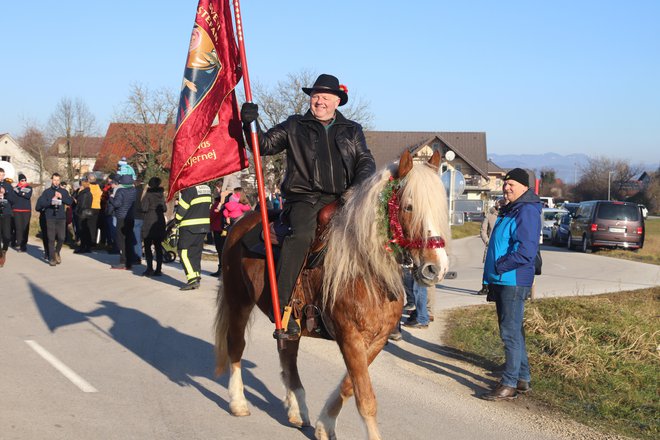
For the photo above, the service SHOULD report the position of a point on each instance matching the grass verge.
(467, 229)
(595, 358)
(650, 253)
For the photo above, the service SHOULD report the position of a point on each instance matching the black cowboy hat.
(328, 84)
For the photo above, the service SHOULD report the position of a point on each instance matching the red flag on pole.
(208, 143)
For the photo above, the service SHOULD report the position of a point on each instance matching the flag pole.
(270, 261)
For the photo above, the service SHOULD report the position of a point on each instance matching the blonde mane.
(356, 244)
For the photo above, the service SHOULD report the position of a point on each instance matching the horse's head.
(419, 218)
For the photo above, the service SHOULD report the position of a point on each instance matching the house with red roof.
(143, 145)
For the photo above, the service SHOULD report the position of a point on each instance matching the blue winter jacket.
(514, 243)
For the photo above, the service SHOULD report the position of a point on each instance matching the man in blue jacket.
(121, 206)
(52, 202)
(509, 274)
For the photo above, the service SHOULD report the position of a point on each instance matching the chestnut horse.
(398, 215)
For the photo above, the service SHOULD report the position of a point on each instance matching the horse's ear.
(435, 160)
(405, 164)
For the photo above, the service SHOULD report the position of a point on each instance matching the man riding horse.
(326, 155)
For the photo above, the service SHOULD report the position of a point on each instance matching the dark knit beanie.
(519, 175)
(21, 177)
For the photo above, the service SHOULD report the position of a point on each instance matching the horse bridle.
(396, 230)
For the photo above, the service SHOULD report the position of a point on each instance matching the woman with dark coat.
(153, 229)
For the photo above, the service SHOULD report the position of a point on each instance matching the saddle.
(279, 230)
(303, 306)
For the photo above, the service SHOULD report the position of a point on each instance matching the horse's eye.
(408, 208)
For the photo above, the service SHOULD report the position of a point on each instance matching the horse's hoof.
(298, 422)
(321, 434)
(239, 409)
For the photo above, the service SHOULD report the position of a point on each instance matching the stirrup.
(290, 330)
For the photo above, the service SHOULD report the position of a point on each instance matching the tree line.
(603, 178)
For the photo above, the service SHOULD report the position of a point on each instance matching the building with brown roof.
(469, 149)
(138, 143)
(84, 150)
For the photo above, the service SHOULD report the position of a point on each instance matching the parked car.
(548, 218)
(477, 216)
(548, 202)
(570, 207)
(600, 223)
(560, 229)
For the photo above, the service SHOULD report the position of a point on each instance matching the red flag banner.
(208, 143)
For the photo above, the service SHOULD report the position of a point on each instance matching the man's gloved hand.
(249, 112)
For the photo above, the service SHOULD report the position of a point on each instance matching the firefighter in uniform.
(193, 223)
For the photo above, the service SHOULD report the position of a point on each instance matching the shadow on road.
(180, 357)
(476, 382)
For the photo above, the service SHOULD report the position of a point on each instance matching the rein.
(396, 230)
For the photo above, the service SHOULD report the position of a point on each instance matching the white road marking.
(59, 366)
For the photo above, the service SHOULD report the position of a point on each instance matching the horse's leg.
(357, 381)
(238, 405)
(325, 426)
(295, 393)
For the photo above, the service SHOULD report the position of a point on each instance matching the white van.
(548, 202)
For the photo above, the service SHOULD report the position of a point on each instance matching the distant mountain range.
(567, 168)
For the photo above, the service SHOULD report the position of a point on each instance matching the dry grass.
(595, 358)
(468, 229)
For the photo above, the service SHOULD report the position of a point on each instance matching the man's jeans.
(510, 302)
(419, 296)
(137, 233)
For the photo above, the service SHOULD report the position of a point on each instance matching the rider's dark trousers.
(302, 219)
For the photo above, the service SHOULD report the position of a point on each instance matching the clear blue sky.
(562, 76)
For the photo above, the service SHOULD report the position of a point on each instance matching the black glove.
(249, 112)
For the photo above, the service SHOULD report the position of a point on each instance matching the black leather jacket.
(300, 136)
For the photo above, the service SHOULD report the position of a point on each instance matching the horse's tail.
(221, 330)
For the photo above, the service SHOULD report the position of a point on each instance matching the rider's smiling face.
(323, 105)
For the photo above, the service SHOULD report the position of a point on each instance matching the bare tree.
(33, 140)
(148, 118)
(600, 174)
(70, 119)
(286, 98)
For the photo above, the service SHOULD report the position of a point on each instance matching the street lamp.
(609, 176)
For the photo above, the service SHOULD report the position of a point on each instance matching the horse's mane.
(356, 244)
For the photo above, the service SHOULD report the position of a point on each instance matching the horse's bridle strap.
(397, 230)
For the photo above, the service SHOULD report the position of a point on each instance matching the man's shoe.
(502, 392)
(395, 335)
(414, 324)
(147, 273)
(52, 263)
(192, 285)
(523, 387)
(157, 273)
(215, 274)
(58, 259)
(409, 307)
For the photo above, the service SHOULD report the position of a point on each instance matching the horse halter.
(396, 230)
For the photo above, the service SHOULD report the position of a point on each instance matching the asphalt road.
(89, 352)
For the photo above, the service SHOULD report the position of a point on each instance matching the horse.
(398, 216)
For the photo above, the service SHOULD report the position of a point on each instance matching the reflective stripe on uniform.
(190, 273)
(183, 203)
(194, 222)
(203, 199)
